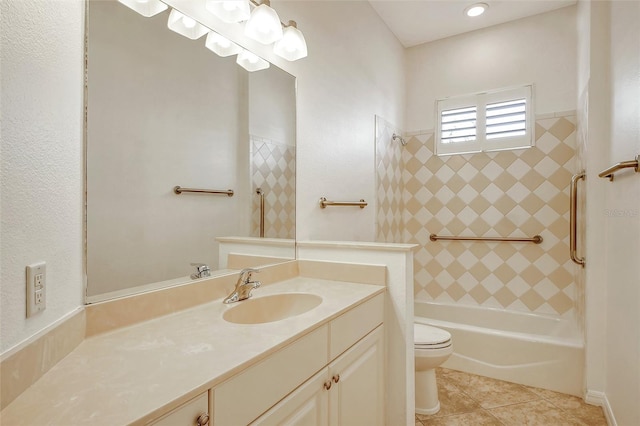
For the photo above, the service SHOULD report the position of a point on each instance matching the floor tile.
(492, 393)
(453, 378)
(453, 403)
(534, 413)
(475, 418)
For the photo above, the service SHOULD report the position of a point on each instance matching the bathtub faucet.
(244, 285)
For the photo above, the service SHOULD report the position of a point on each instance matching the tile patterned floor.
(470, 400)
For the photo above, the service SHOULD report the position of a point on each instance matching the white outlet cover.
(36, 272)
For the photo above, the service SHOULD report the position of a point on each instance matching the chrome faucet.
(202, 271)
(244, 285)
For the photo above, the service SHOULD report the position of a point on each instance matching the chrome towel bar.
(324, 203)
(573, 219)
(608, 173)
(179, 190)
(537, 239)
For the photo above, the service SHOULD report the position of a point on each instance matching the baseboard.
(600, 399)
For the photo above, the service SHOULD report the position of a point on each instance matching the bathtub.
(530, 349)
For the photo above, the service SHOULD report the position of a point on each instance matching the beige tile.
(460, 379)
(560, 302)
(532, 300)
(490, 393)
(588, 414)
(456, 291)
(479, 294)
(453, 402)
(505, 297)
(538, 413)
(562, 128)
(475, 418)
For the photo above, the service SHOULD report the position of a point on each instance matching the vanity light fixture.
(221, 45)
(185, 25)
(230, 11)
(476, 9)
(292, 45)
(146, 8)
(264, 25)
(251, 62)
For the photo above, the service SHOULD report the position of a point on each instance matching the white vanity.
(322, 366)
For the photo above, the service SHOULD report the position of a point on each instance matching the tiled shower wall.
(509, 193)
(273, 168)
(389, 188)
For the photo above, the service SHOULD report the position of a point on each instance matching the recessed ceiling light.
(476, 9)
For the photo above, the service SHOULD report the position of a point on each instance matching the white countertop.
(135, 373)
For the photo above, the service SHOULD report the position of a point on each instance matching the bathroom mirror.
(164, 111)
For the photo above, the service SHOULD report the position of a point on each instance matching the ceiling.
(419, 21)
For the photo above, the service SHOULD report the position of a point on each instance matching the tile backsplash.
(516, 193)
(389, 206)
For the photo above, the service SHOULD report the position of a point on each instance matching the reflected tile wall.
(508, 193)
(389, 185)
(273, 168)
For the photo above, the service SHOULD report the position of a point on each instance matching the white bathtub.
(529, 349)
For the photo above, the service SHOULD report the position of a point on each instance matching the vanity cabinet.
(349, 391)
(192, 413)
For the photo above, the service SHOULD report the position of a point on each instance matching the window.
(491, 121)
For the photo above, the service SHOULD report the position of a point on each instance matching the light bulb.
(221, 45)
(264, 25)
(292, 46)
(230, 11)
(146, 8)
(188, 22)
(251, 62)
(476, 9)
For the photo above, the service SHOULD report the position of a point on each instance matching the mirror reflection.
(164, 111)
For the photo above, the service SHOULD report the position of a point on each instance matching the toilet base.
(426, 392)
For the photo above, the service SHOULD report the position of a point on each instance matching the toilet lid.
(426, 336)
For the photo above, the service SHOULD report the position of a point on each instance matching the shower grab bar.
(260, 192)
(573, 219)
(179, 190)
(324, 203)
(537, 239)
(608, 173)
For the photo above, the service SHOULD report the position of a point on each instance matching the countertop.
(136, 373)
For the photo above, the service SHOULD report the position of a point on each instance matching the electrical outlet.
(36, 288)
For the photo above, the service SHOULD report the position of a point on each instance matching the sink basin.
(271, 308)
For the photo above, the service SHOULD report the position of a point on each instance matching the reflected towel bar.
(608, 173)
(324, 203)
(179, 190)
(260, 192)
(537, 239)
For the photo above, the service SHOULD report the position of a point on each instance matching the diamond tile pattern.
(273, 167)
(510, 193)
(389, 227)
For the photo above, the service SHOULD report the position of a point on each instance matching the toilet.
(432, 347)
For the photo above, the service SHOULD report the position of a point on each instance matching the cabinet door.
(308, 405)
(356, 396)
(192, 413)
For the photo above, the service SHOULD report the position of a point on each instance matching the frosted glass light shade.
(230, 11)
(145, 8)
(221, 45)
(251, 62)
(292, 45)
(186, 26)
(264, 25)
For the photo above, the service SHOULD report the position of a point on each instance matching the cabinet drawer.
(347, 329)
(187, 414)
(241, 399)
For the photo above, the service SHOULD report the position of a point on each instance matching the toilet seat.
(428, 337)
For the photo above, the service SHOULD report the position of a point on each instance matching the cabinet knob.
(202, 420)
(336, 378)
(327, 384)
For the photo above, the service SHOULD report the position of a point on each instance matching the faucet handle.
(247, 272)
